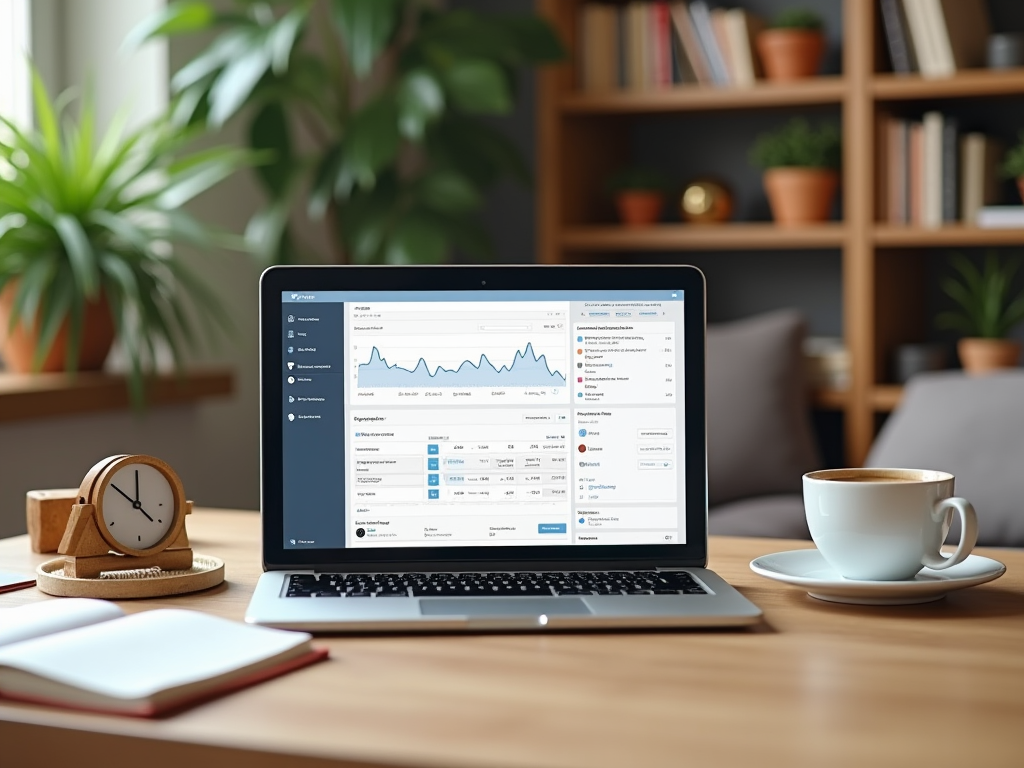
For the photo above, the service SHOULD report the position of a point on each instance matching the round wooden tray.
(205, 572)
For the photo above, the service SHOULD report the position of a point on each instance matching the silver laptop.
(485, 448)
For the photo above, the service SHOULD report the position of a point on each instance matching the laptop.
(485, 448)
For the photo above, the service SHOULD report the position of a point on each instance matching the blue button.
(433, 480)
(432, 464)
(551, 528)
(433, 493)
(432, 449)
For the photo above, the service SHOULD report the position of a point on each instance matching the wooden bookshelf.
(686, 98)
(583, 136)
(688, 237)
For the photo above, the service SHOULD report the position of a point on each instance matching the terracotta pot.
(19, 346)
(800, 195)
(790, 54)
(987, 355)
(639, 208)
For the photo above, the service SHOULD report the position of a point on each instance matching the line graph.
(526, 369)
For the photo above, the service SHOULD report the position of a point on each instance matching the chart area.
(459, 351)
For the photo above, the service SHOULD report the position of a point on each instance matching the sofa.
(760, 437)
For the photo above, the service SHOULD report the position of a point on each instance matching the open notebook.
(87, 654)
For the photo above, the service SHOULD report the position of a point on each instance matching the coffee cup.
(885, 524)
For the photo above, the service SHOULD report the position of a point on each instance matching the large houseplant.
(86, 233)
(390, 98)
(801, 171)
(987, 309)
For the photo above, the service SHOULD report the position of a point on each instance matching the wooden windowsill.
(24, 396)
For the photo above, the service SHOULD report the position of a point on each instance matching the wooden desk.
(817, 684)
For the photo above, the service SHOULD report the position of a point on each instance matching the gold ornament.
(705, 202)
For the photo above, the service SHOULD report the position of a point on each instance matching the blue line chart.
(525, 370)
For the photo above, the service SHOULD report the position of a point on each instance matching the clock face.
(138, 506)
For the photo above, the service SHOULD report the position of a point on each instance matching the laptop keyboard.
(527, 584)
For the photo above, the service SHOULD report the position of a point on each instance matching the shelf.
(684, 98)
(885, 397)
(898, 236)
(689, 237)
(24, 396)
(977, 83)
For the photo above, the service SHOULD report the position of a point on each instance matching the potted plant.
(1013, 164)
(987, 310)
(801, 171)
(378, 113)
(639, 195)
(86, 234)
(793, 45)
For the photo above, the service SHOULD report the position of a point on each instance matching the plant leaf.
(283, 36)
(177, 18)
(371, 144)
(448, 191)
(420, 100)
(269, 131)
(236, 82)
(80, 253)
(478, 86)
(366, 26)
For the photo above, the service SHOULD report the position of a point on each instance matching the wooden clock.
(130, 514)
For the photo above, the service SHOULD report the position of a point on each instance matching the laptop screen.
(432, 419)
(473, 418)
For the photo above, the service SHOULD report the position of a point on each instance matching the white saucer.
(806, 568)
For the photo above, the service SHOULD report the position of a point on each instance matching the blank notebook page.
(139, 655)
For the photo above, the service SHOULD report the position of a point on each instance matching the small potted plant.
(801, 171)
(987, 310)
(639, 194)
(1013, 164)
(793, 45)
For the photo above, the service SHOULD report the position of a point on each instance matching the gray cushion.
(759, 431)
(972, 426)
(781, 516)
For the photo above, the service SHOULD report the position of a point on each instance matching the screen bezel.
(276, 280)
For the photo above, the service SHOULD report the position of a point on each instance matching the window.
(15, 90)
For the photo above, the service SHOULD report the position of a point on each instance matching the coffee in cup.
(885, 524)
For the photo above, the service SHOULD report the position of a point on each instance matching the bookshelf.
(583, 137)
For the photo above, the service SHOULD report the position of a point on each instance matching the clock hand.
(136, 485)
(123, 493)
(135, 504)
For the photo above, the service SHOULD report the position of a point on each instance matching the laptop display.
(444, 413)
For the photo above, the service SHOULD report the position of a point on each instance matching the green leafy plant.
(798, 18)
(82, 218)
(798, 145)
(1013, 163)
(637, 179)
(987, 306)
(389, 97)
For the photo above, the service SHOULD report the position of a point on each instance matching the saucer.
(806, 568)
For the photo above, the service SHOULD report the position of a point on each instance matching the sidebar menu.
(313, 413)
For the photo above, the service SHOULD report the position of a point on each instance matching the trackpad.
(504, 606)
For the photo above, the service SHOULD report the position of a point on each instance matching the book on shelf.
(933, 174)
(657, 44)
(897, 37)
(1000, 217)
(980, 156)
(87, 654)
(947, 35)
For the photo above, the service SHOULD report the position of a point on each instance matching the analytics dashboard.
(483, 418)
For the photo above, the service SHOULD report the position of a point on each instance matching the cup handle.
(968, 533)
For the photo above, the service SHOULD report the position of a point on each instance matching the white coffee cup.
(885, 524)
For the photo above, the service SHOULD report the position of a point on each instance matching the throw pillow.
(759, 432)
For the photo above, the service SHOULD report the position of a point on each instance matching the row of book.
(934, 174)
(646, 45)
(936, 37)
